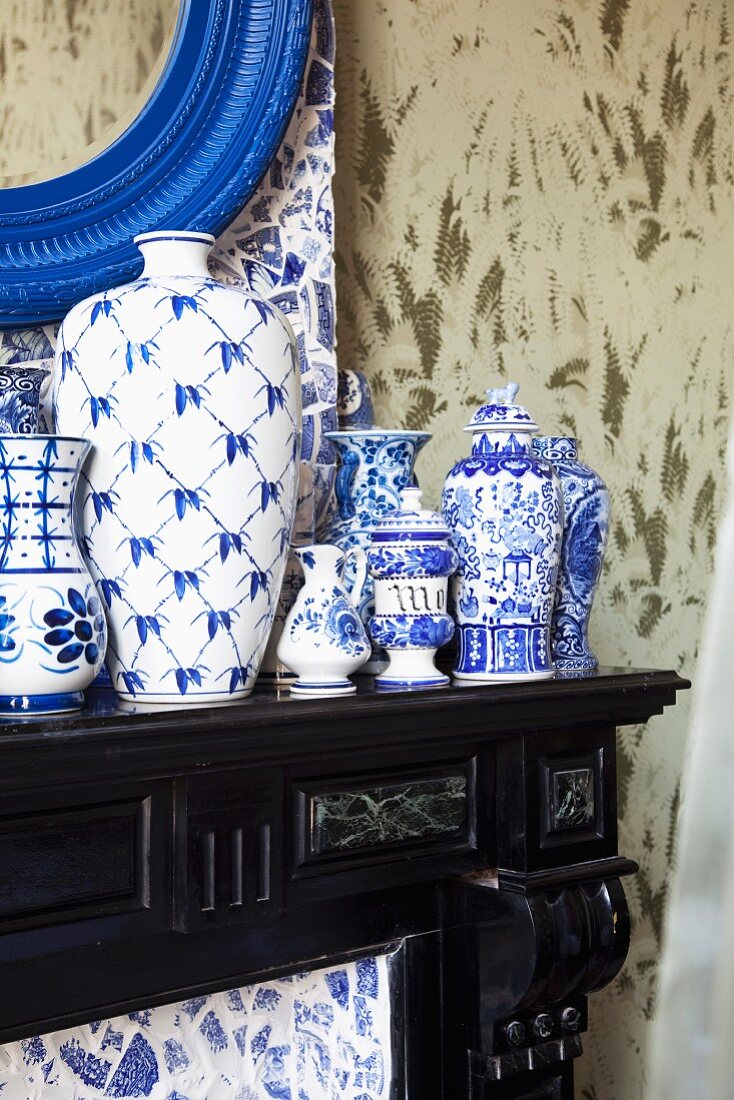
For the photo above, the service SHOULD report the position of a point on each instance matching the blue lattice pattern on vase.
(376, 466)
(187, 390)
(304, 1037)
(587, 516)
(504, 508)
(52, 630)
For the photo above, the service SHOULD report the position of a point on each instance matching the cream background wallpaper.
(544, 191)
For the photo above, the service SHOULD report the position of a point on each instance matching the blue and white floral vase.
(20, 398)
(52, 629)
(190, 393)
(587, 514)
(375, 465)
(504, 508)
(410, 561)
(324, 640)
(354, 401)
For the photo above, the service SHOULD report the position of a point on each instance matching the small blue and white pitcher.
(324, 640)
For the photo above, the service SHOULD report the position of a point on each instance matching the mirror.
(74, 74)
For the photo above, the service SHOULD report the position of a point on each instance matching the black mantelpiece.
(145, 857)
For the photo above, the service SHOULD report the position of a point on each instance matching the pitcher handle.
(344, 478)
(360, 573)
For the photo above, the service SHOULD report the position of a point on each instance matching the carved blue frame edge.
(190, 160)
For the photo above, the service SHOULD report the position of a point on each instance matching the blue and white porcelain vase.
(354, 401)
(52, 630)
(410, 561)
(375, 465)
(504, 508)
(324, 640)
(189, 391)
(587, 515)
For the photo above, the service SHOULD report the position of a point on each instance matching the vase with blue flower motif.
(375, 465)
(52, 629)
(410, 561)
(324, 640)
(504, 508)
(189, 392)
(587, 515)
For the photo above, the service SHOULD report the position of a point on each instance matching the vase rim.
(28, 436)
(344, 433)
(192, 236)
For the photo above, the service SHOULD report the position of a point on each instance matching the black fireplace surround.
(148, 857)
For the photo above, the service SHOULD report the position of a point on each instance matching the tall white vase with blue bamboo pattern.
(189, 393)
(52, 630)
(504, 508)
(587, 515)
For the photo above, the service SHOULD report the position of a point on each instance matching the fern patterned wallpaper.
(545, 191)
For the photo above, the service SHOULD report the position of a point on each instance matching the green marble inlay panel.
(573, 798)
(368, 816)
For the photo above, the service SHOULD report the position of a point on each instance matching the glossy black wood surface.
(146, 856)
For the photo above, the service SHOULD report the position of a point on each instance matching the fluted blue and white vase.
(189, 393)
(52, 630)
(587, 515)
(504, 508)
(410, 561)
(375, 465)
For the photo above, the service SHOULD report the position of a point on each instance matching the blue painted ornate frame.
(190, 160)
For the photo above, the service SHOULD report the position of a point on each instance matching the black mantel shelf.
(150, 854)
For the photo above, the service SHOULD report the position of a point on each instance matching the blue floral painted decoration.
(53, 632)
(587, 517)
(504, 508)
(20, 398)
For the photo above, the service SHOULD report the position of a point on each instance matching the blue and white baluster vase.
(324, 640)
(375, 465)
(587, 515)
(410, 561)
(504, 508)
(189, 391)
(52, 630)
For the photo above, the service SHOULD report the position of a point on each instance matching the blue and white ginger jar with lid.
(504, 508)
(587, 516)
(410, 561)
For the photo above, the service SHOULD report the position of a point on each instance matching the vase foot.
(502, 677)
(388, 683)
(566, 664)
(320, 689)
(56, 703)
(209, 699)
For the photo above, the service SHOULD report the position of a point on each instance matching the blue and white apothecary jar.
(52, 630)
(410, 561)
(504, 508)
(190, 393)
(375, 465)
(587, 515)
